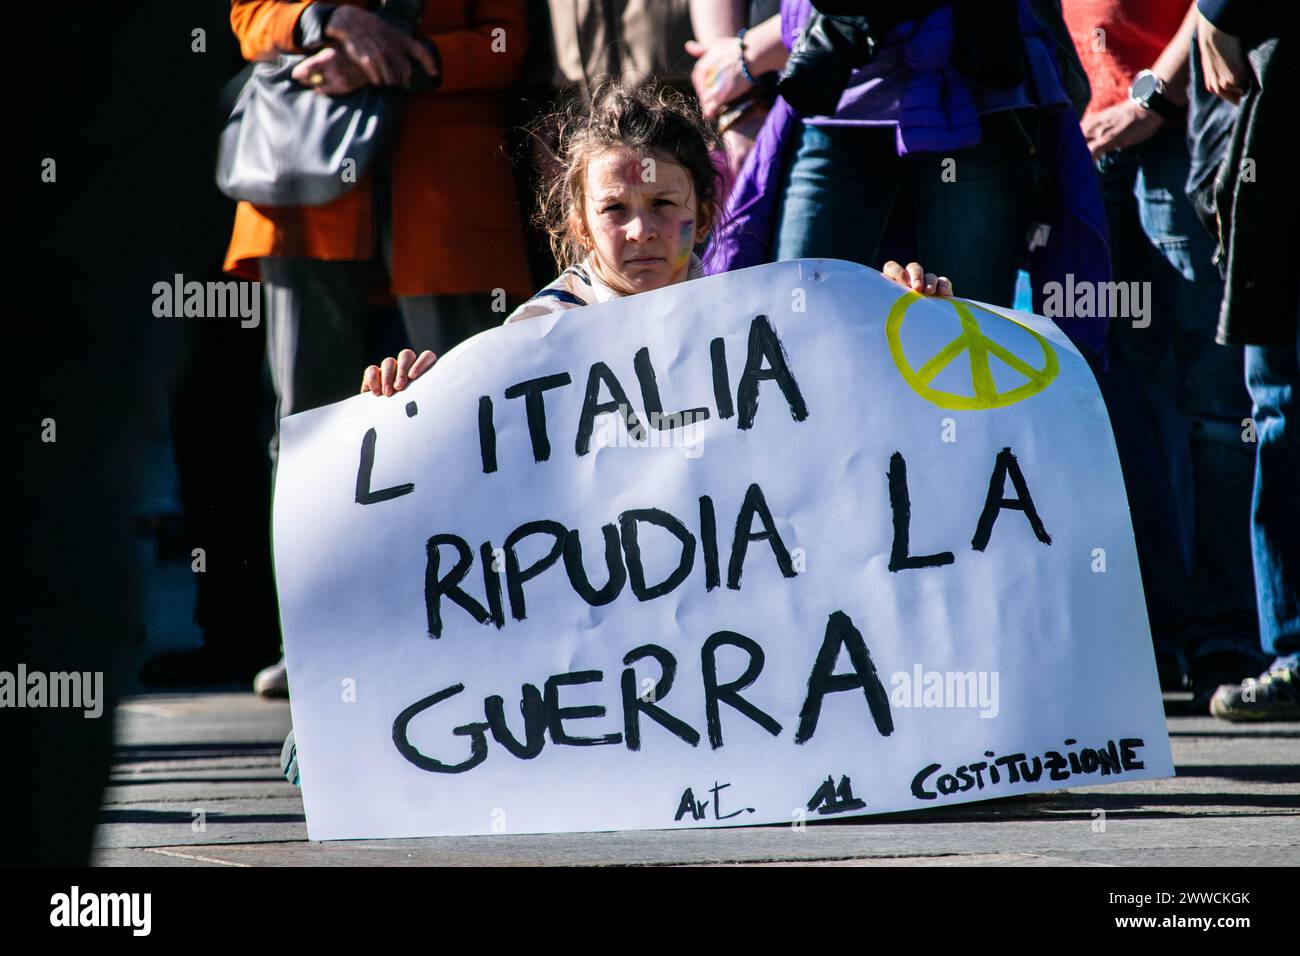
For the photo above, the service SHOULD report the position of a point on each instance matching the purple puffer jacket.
(937, 111)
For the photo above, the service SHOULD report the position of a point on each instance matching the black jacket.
(1257, 202)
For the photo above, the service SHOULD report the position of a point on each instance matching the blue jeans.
(1273, 375)
(964, 214)
(1190, 403)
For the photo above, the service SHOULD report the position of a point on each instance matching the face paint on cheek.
(686, 239)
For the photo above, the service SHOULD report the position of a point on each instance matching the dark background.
(116, 96)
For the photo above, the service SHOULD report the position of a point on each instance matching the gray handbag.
(287, 145)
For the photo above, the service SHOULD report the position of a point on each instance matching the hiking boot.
(272, 681)
(1274, 695)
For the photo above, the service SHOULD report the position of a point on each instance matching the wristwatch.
(1148, 91)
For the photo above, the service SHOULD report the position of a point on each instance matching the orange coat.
(457, 226)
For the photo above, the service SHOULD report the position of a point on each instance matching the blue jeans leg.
(1209, 398)
(971, 209)
(838, 194)
(974, 206)
(1193, 389)
(1139, 380)
(1273, 376)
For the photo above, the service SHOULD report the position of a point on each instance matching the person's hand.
(1227, 74)
(717, 76)
(382, 52)
(1124, 124)
(330, 72)
(915, 277)
(393, 374)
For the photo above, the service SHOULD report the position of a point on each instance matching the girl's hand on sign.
(393, 374)
(915, 277)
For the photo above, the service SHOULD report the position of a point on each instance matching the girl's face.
(640, 218)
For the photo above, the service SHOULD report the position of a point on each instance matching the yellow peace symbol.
(973, 341)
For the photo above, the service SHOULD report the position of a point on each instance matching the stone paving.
(196, 782)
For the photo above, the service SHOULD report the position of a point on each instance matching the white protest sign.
(882, 561)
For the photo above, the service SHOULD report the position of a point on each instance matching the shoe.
(289, 760)
(197, 667)
(1170, 672)
(1209, 672)
(273, 681)
(1274, 695)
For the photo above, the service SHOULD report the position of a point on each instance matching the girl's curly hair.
(647, 118)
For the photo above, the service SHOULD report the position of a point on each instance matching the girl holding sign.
(639, 188)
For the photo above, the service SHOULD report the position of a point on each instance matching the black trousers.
(316, 338)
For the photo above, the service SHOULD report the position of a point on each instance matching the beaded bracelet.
(744, 67)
